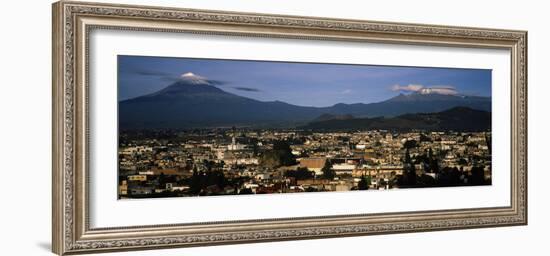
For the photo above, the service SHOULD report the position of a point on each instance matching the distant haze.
(301, 84)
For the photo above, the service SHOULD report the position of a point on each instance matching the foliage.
(382, 183)
(450, 177)
(280, 155)
(426, 180)
(246, 191)
(410, 144)
(364, 183)
(300, 174)
(424, 138)
(328, 172)
(311, 189)
(409, 171)
(477, 176)
(200, 180)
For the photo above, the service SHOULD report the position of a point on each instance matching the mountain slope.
(411, 103)
(456, 119)
(192, 103)
(183, 105)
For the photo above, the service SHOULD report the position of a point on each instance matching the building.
(142, 190)
(137, 177)
(343, 168)
(314, 164)
(165, 171)
(234, 145)
(385, 171)
(123, 188)
(361, 145)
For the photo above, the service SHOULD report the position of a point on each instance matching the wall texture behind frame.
(25, 128)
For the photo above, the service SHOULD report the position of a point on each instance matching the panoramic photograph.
(191, 127)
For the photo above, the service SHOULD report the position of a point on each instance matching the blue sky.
(304, 84)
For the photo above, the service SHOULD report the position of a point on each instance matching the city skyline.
(206, 127)
(326, 84)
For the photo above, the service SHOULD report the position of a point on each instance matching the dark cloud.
(168, 78)
(164, 76)
(216, 82)
(151, 73)
(247, 89)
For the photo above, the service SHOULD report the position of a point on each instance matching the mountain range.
(456, 119)
(193, 104)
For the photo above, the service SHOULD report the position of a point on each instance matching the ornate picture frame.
(72, 23)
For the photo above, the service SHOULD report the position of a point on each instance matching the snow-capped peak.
(188, 74)
(438, 90)
(194, 79)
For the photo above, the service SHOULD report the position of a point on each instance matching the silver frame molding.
(72, 23)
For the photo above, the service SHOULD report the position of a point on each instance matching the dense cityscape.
(235, 161)
(193, 127)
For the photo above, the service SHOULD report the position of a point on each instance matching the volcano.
(195, 102)
(188, 103)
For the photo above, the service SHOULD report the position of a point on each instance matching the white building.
(235, 146)
(345, 168)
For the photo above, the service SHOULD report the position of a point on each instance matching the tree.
(478, 176)
(280, 155)
(311, 189)
(382, 183)
(488, 141)
(162, 178)
(208, 164)
(285, 152)
(364, 183)
(407, 157)
(426, 180)
(255, 148)
(246, 191)
(216, 178)
(328, 172)
(410, 144)
(300, 174)
(424, 138)
(449, 176)
(195, 186)
(462, 161)
(432, 162)
(392, 181)
(409, 171)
